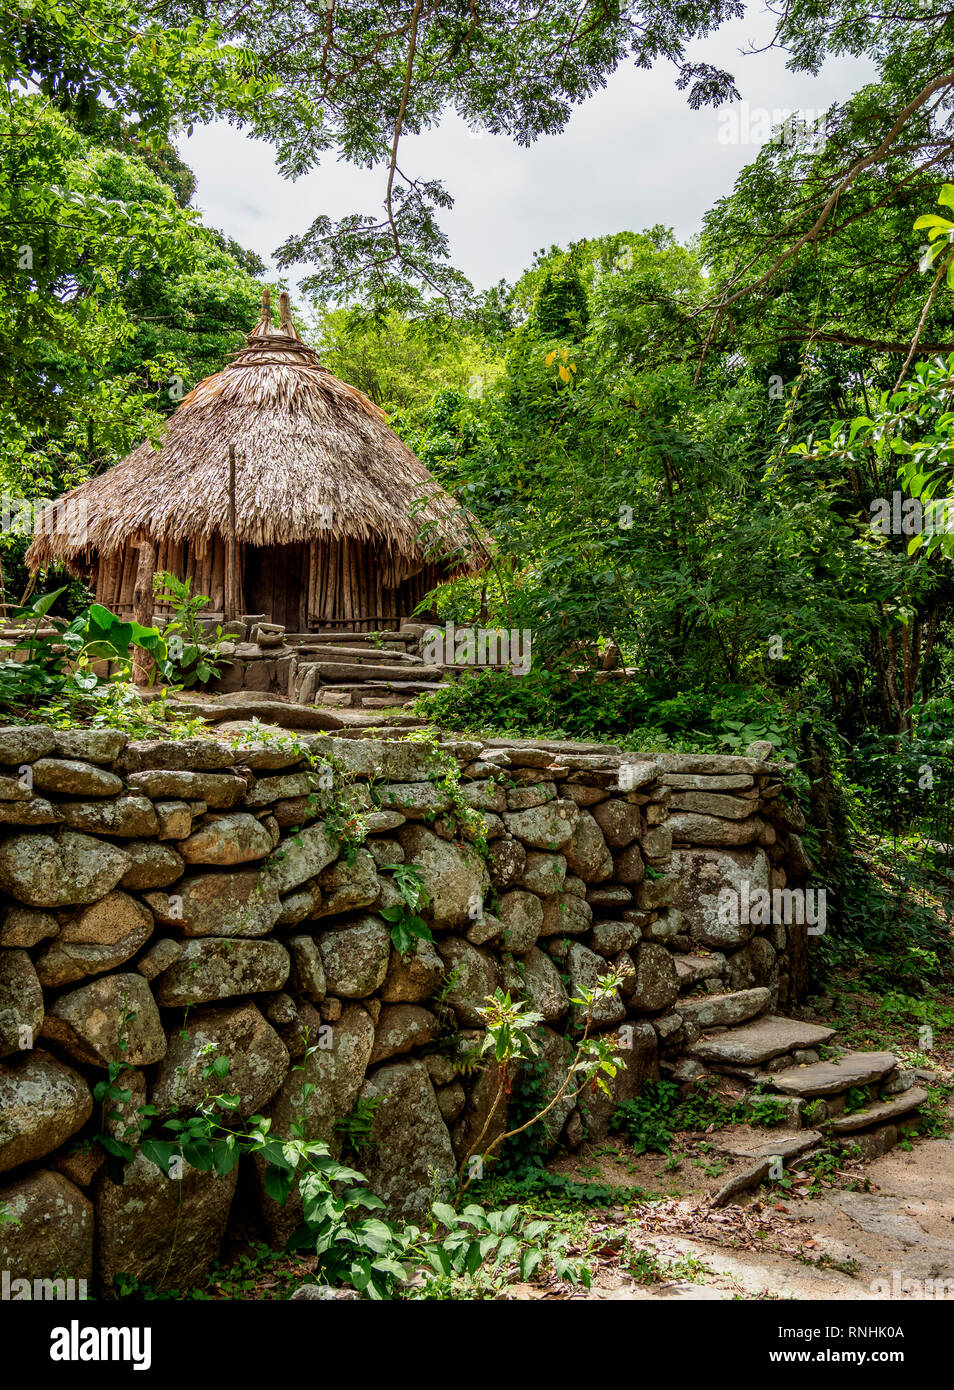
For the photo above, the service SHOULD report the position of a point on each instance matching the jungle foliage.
(679, 451)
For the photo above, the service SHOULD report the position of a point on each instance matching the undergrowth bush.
(895, 914)
(652, 1119)
(903, 785)
(58, 678)
(639, 713)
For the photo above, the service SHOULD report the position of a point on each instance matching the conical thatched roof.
(315, 458)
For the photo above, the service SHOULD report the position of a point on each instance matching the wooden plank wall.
(347, 587)
(344, 583)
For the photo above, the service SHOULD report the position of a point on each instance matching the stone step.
(756, 1042)
(338, 671)
(407, 686)
(754, 1141)
(312, 654)
(359, 723)
(793, 1146)
(882, 1112)
(725, 1010)
(371, 695)
(287, 715)
(357, 696)
(364, 687)
(831, 1078)
(695, 970)
(336, 635)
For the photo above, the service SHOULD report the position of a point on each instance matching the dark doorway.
(276, 583)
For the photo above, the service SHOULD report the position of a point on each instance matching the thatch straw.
(316, 460)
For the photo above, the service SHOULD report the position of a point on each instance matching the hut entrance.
(276, 582)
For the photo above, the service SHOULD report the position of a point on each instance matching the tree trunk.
(143, 606)
(231, 603)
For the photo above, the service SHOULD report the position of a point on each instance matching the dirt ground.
(890, 1219)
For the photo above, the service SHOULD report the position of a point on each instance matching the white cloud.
(632, 156)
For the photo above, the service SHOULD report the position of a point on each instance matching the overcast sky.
(632, 156)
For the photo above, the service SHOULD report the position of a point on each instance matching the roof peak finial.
(284, 310)
(265, 337)
(264, 326)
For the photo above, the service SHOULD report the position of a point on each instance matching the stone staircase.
(345, 670)
(863, 1100)
(359, 670)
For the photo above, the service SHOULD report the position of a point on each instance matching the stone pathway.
(899, 1230)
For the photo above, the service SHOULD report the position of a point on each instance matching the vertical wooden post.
(143, 608)
(231, 557)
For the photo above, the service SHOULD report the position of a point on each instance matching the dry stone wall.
(168, 902)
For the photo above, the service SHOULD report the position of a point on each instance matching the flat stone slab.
(829, 1078)
(362, 723)
(789, 1146)
(408, 686)
(878, 1114)
(362, 689)
(748, 1141)
(559, 745)
(692, 970)
(287, 716)
(370, 670)
(761, 1168)
(757, 1042)
(355, 638)
(354, 655)
(714, 1010)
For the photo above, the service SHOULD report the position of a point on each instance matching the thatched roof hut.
(324, 517)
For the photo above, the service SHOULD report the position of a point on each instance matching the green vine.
(407, 926)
